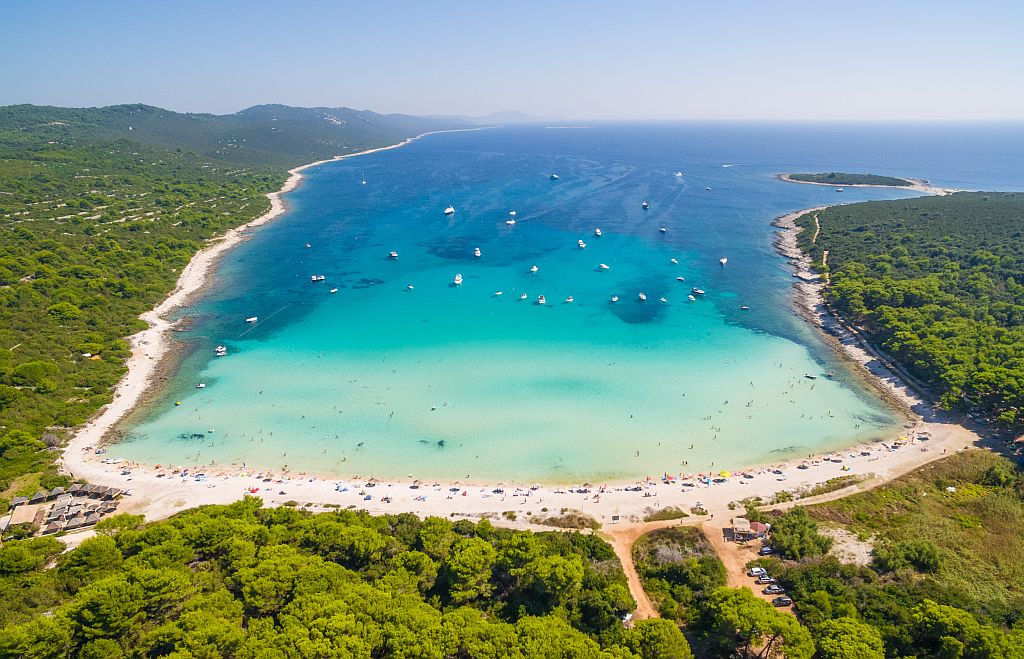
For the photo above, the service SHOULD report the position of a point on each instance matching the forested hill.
(100, 208)
(264, 135)
(938, 282)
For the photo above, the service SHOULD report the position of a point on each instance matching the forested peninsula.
(938, 284)
(843, 178)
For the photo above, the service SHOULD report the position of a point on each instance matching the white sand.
(159, 492)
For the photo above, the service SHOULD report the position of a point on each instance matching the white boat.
(642, 296)
(674, 261)
(723, 260)
(645, 205)
(523, 296)
(603, 266)
(450, 210)
(541, 299)
(510, 223)
(534, 268)
(476, 252)
(615, 298)
(679, 175)
(569, 300)
(662, 229)
(597, 232)
(582, 244)
(680, 278)
(316, 278)
(201, 385)
(553, 177)
(220, 351)
(697, 291)
(409, 287)
(252, 319)
(308, 245)
(708, 189)
(839, 189)
(512, 213)
(334, 290)
(393, 255)
(744, 308)
(363, 177)
(691, 298)
(497, 293)
(663, 301)
(458, 279)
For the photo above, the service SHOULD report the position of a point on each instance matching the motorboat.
(409, 287)
(252, 319)
(839, 189)
(534, 268)
(511, 213)
(541, 299)
(708, 189)
(723, 260)
(458, 279)
(308, 245)
(645, 205)
(569, 300)
(691, 298)
(597, 232)
(553, 177)
(663, 300)
(393, 255)
(220, 351)
(679, 175)
(615, 298)
(603, 266)
(510, 223)
(334, 290)
(680, 278)
(744, 308)
(476, 252)
(642, 296)
(201, 385)
(662, 229)
(523, 296)
(316, 278)
(581, 244)
(450, 210)
(697, 291)
(674, 261)
(497, 293)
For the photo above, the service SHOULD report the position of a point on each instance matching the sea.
(387, 368)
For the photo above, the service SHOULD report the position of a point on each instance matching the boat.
(512, 213)
(744, 308)
(569, 300)
(252, 319)
(597, 232)
(662, 229)
(691, 298)
(674, 261)
(458, 279)
(553, 177)
(642, 296)
(679, 175)
(839, 189)
(393, 255)
(582, 244)
(697, 291)
(680, 278)
(308, 245)
(603, 266)
(450, 210)
(644, 205)
(220, 351)
(810, 377)
(201, 385)
(615, 298)
(523, 296)
(723, 260)
(497, 293)
(541, 299)
(708, 189)
(534, 268)
(510, 223)
(363, 177)
(476, 252)
(407, 286)
(316, 278)
(663, 300)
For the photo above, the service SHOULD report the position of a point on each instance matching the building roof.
(17, 501)
(758, 527)
(57, 491)
(740, 525)
(52, 527)
(38, 496)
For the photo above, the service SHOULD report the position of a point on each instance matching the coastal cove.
(768, 331)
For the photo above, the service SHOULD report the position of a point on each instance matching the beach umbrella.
(725, 474)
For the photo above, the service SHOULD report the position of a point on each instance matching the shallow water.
(446, 381)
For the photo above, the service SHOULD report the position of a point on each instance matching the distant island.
(843, 178)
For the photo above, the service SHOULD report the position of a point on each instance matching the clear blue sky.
(727, 59)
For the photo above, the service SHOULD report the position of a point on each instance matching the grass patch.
(669, 512)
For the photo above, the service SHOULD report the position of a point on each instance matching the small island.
(843, 178)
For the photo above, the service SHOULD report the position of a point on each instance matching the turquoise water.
(441, 381)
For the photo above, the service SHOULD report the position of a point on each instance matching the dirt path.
(735, 558)
(622, 539)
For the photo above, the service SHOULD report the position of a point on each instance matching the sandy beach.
(917, 185)
(158, 491)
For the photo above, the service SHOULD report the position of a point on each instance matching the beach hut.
(741, 531)
(91, 519)
(38, 497)
(75, 489)
(52, 527)
(74, 523)
(18, 501)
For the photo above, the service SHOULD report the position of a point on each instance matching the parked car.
(765, 551)
(765, 579)
(756, 572)
(774, 589)
(782, 600)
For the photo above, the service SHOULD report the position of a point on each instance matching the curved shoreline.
(160, 492)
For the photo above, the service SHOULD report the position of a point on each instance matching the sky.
(709, 59)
